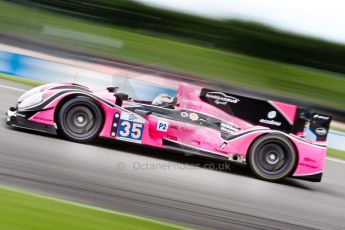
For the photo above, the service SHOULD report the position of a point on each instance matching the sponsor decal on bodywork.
(322, 117)
(172, 137)
(270, 122)
(321, 131)
(221, 98)
(227, 128)
(184, 114)
(42, 119)
(252, 110)
(193, 116)
(271, 115)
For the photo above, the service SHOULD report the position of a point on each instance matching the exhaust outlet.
(236, 158)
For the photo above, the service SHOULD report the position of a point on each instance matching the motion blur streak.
(242, 53)
(107, 175)
(123, 35)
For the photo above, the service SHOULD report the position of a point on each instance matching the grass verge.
(23, 210)
(340, 129)
(20, 80)
(336, 153)
(288, 80)
(337, 126)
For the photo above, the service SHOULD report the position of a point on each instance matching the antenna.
(75, 77)
(125, 83)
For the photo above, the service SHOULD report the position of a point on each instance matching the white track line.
(335, 160)
(12, 88)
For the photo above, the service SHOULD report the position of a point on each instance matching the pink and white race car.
(275, 139)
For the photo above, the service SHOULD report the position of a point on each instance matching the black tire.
(272, 157)
(80, 120)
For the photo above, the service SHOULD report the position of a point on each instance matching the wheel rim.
(80, 120)
(273, 158)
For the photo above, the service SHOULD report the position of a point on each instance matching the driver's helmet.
(163, 100)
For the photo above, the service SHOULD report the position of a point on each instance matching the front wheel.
(80, 119)
(272, 157)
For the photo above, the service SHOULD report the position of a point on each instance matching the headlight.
(29, 93)
(31, 101)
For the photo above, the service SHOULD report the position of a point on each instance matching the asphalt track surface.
(164, 185)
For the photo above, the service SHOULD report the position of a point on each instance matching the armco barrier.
(49, 71)
(46, 68)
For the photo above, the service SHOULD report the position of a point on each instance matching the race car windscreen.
(147, 88)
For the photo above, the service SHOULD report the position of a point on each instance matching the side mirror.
(112, 89)
(120, 97)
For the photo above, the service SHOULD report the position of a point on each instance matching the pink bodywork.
(311, 155)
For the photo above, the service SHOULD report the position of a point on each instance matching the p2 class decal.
(130, 127)
(255, 111)
(162, 126)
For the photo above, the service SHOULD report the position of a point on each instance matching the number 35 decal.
(130, 130)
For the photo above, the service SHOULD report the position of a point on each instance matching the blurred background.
(287, 50)
(268, 47)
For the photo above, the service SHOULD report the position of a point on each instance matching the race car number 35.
(131, 128)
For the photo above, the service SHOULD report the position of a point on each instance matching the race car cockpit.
(164, 100)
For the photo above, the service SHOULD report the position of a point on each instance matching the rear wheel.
(80, 120)
(272, 157)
